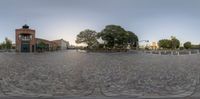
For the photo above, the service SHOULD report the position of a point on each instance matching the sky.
(55, 19)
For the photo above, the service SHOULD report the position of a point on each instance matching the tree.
(8, 43)
(3, 45)
(195, 46)
(187, 45)
(132, 39)
(41, 46)
(87, 37)
(172, 43)
(165, 43)
(175, 42)
(113, 35)
(117, 37)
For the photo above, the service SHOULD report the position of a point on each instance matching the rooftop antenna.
(25, 26)
(26, 21)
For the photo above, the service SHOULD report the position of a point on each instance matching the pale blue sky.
(149, 19)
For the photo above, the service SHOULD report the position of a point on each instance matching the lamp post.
(141, 41)
(137, 43)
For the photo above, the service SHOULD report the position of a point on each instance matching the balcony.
(25, 37)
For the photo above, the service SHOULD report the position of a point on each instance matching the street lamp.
(147, 41)
(144, 41)
(136, 42)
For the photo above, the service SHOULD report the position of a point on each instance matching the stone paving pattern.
(72, 73)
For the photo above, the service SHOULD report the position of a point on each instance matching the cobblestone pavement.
(99, 97)
(87, 75)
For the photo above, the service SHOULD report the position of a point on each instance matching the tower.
(25, 39)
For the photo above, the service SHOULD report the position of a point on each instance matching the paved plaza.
(101, 75)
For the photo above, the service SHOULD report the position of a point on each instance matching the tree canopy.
(172, 43)
(175, 42)
(116, 36)
(41, 46)
(132, 39)
(112, 36)
(87, 37)
(7, 44)
(187, 45)
(165, 43)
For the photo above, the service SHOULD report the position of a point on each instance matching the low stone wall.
(173, 52)
(10, 50)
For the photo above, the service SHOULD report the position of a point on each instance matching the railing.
(25, 39)
(173, 52)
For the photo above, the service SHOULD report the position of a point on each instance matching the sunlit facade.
(154, 46)
(25, 39)
(27, 42)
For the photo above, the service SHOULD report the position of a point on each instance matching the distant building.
(62, 44)
(154, 46)
(27, 42)
(49, 45)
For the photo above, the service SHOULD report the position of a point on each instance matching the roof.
(25, 26)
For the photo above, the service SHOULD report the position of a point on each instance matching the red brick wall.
(24, 31)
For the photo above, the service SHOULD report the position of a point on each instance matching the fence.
(173, 52)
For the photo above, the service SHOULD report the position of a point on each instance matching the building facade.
(25, 39)
(27, 42)
(48, 45)
(154, 46)
(62, 44)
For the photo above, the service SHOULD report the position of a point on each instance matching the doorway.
(25, 47)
